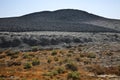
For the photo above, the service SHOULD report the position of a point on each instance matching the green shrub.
(14, 56)
(11, 53)
(35, 48)
(91, 55)
(71, 51)
(73, 75)
(47, 74)
(51, 74)
(56, 59)
(69, 54)
(35, 62)
(71, 66)
(49, 60)
(27, 65)
(54, 53)
(54, 72)
(61, 70)
(25, 55)
(78, 59)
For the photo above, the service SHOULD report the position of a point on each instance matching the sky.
(105, 8)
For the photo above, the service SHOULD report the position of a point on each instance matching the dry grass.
(65, 64)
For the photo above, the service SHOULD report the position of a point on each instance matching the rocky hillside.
(69, 20)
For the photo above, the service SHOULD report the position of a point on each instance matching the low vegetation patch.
(71, 66)
(74, 75)
(91, 55)
(54, 53)
(35, 62)
(27, 65)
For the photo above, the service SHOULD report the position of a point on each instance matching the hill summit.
(66, 20)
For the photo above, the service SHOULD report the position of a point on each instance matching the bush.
(91, 55)
(54, 73)
(35, 48)
(77, 59)
(35, 62)
(51, 74)
(71, 66)
(27, 56)
(73, 75)
(13, 63)
(49, 60)
(54, 53)
(56, 59)
(61, 70)
(14, 56)
(10, 53)
(69, 54)
(27, 66)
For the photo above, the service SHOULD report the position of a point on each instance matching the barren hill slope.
(68, 20)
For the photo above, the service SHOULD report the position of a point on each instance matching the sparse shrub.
(82, 55)
(47, 74)
(61, 70)
(60, 62)
(14, 56)
(35, 48)
(86, 61)
(91, 55)
(54, 72)
(71, 66)
(56, 58)
(74, 75)
(54, 53)
(77, 59)
(51, 74)
(13, 63)
(109, 53)
(16, 52)
(27, 65)
(79, 49)
(27, 56)
(71, 51)
(65, 60)
(61, 52)
(35, 62)
(24, 79)
(10, 53)
(69, 54)
(32, 55)
(45, 53)
(49, 60)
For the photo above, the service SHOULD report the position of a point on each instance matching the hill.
(67, 20)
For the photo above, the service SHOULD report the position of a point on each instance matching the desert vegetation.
(73, 63)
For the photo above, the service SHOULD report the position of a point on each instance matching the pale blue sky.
(106, 8)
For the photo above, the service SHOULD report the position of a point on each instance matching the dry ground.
(83, 62)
